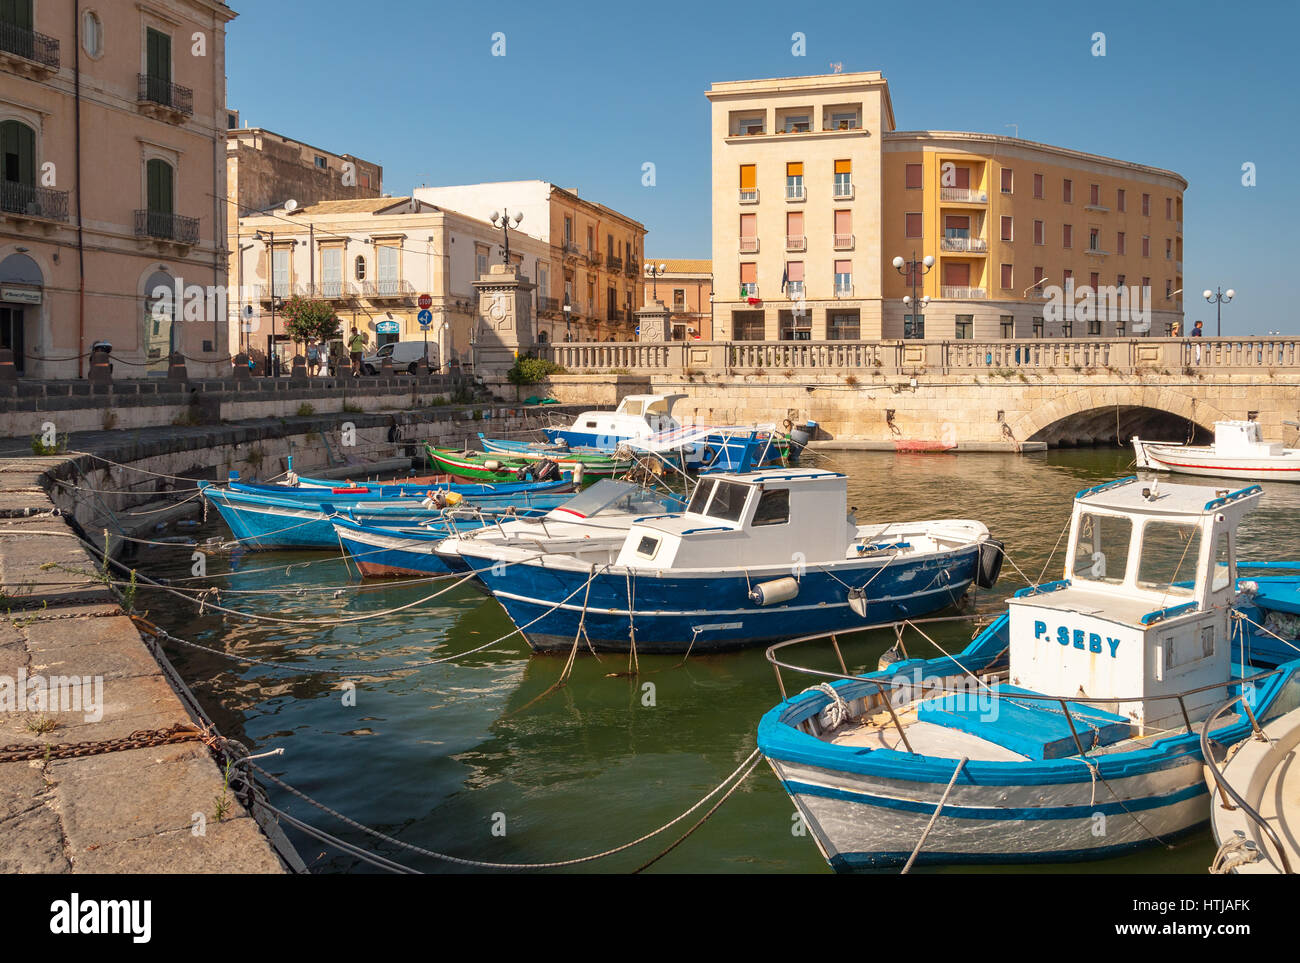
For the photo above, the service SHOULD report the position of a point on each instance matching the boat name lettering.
(1080, 639)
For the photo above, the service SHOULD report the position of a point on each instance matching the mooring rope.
(934, 816)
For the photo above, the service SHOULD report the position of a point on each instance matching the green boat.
(493, 466)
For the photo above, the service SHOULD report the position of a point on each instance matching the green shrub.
(528, 370)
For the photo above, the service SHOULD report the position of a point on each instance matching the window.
(480, 259)
(320, 162)
(843, 178)
(1146, 205)
(843, 278)
(1169, 290)
(1120, 279)
(1038, 232)
(847, 120)
(543, 281)
(1094, 328)
(1038, 327)
(796, 124)
(1221, 568)
(748, 279)
(1094, 239)
(843, 230)
(1038, 276)
(843, 327)
(1169, 208)
(1146, 245)
(280, 272)
(160, 186)
(1169, 249)
(18, 154)
(1008, 325)
(1005, 276)
(679, 299)
(1101, 550)
(748, 233)
(748, 182)
(914, 327)
(92, 39)
(773, 507)
(794, 280)
(794, 236)
(914, 177)
(1121, 245)
(1038, 186)
(648, 547)
(700, 499)
(1094, 281)
(1007, 226)
(387, 268)
(1146, 288)
(1169, 557)
(232, 121)
(964, 327)
(1067, 328)
(1067, 191)
(331, 272)
(1094, 195)
(1119, 329)
(1121, 203)
(913, 222)
(794, 190)
(728, 501)
(359, 269)
(568, 231)
(1067, 235)
(1006, 180)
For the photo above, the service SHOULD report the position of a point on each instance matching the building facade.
(595, 267)
(372, 259)
(816, 196)
(112, 185)
(686, 289)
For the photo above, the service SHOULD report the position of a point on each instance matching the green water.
(442, 756)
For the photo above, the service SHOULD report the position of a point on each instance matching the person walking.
(1198, 330)
(356, 345)
(313, 358)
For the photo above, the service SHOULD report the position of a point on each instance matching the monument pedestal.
(652, 322)
(504, 327)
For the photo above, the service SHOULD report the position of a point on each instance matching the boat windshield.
(1170, 553)
(1101, 548)
(608, 495)
(718, 498)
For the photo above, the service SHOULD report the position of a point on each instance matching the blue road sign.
(425, 318)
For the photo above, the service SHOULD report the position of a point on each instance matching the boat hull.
(552, 605)
(1194, 460)
(380, 553)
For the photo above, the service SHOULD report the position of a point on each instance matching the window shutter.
(748, 272)
(748, 177)
(843, 167)
(794, 169)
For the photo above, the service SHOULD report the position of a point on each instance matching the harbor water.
(482, 758)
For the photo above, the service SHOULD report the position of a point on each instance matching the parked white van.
(405, 355)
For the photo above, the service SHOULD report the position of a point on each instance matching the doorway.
(11, 333)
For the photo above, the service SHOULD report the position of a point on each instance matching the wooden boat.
(1239, 451)
(496, 467)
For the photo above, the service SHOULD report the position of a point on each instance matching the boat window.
(728, 501)
(701, 497)
(773, 507)
(1101, 549)
(607, 495)
(1222, 575)
(633, 407)
(647, 547)
(1169, 557)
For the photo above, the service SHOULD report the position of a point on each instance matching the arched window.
(542, 337)
(361, 268)
(92, 34)
(17, 153)
(160, 313)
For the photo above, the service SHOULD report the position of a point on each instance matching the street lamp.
(655, 273)
(916, 269)
(1218, 297)
(568, 312)
(504, 218)
(268, 238)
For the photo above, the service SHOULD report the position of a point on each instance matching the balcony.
(389, 289)
(796, 193)
(842, 192)
(159, 97)
(616, 314)
(963, 195)
(843, 242)
(749, 196)
(615, 263)
(961, 293)
(547, 305)
(680, 307)
(1179, 225)
(960, 244)
(22, 202)
(594, 258)
(569, 250)
(749, 245)
(796, 242)
(1096, 251)
(163, 226)
(1178, 266)
(843, 289)
(331, 291)
(26, 52)
(749, 289)
(630, 269)
(1099, 208)
(794, 290)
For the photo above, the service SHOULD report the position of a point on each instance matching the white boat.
(1239, 451)
(1062, 731)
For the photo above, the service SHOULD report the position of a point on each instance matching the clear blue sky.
(588, 92)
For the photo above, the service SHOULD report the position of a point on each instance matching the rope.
(837, 710)
(1233, 853)
(934, 816)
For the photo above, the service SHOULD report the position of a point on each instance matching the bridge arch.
(1114, 413)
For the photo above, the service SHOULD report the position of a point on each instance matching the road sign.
(425, 302)
(425, 318)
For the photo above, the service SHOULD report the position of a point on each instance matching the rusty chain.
(140, 739)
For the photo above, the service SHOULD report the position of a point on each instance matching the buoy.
(894, 654)
(492, 464)
(777, 590)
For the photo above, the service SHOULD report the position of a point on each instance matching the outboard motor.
(546, 470)
(800, 435)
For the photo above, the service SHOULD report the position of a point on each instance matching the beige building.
(112, 186)
(686, 289)
(815, 195)
(266, 170)
(596, 255)
(372, 259)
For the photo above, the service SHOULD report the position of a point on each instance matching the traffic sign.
(425, 318)
(425, 302)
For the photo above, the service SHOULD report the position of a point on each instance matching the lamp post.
(268, 238)
(654, 273)
(916, 269)
(504, 218)
(568, 312)
(1219, 297)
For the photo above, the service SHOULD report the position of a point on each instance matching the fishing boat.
(345, 491)
(754, 557)
(636, 417)
(1065, 729)
(1239, 451)
(494, 467)
(382, 551)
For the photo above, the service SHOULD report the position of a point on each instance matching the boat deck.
(1267, 775)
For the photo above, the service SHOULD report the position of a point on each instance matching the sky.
(586, 93)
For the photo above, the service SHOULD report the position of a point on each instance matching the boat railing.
(900, 626)
(1226, 792)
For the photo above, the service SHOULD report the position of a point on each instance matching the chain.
(140, 739)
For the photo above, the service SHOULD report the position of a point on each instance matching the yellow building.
(685, 286)
(816, 198)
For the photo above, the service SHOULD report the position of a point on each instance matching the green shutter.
(17, 152)
(159, 176)
(158, 55)
(17, 13)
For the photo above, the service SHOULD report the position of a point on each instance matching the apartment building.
(266, 170)
(816, 196)
(595, 280)
(372, 258)
(686, 289)
(112, 186)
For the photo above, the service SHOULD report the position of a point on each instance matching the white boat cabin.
(1142, 609)
(1243, 438)
(637, 416)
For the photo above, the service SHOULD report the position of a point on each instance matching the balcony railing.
(794, 290)
(16, 198)
(167, 227)
(796, 192)
(1096, 250)
(964, 245)
(956, 291)
(843, 242)
(159, 90)
(749, 196)
(594, 258)
(963, 195)
(749, 289)
(547, 305)
(630, 268)
(29, 45)
(332, 290)
(615, 263)
(680, 307)
(843, 290)
(796, 242)
(390, 288)
(842, 192)
(570, 249)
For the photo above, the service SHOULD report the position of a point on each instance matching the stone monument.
(504, 326)
(652, 322)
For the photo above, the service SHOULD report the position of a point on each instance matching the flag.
(785, 279)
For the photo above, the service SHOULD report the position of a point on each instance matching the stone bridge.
(973, 395)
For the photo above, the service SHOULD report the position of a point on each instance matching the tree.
(307, 320)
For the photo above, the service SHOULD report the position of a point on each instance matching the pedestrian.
(1176, 330)
(313, 358)
(356, 345)
(1198, 330)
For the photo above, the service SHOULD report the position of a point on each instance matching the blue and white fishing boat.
(1066, 729)
(754, 557)
(343, 492)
